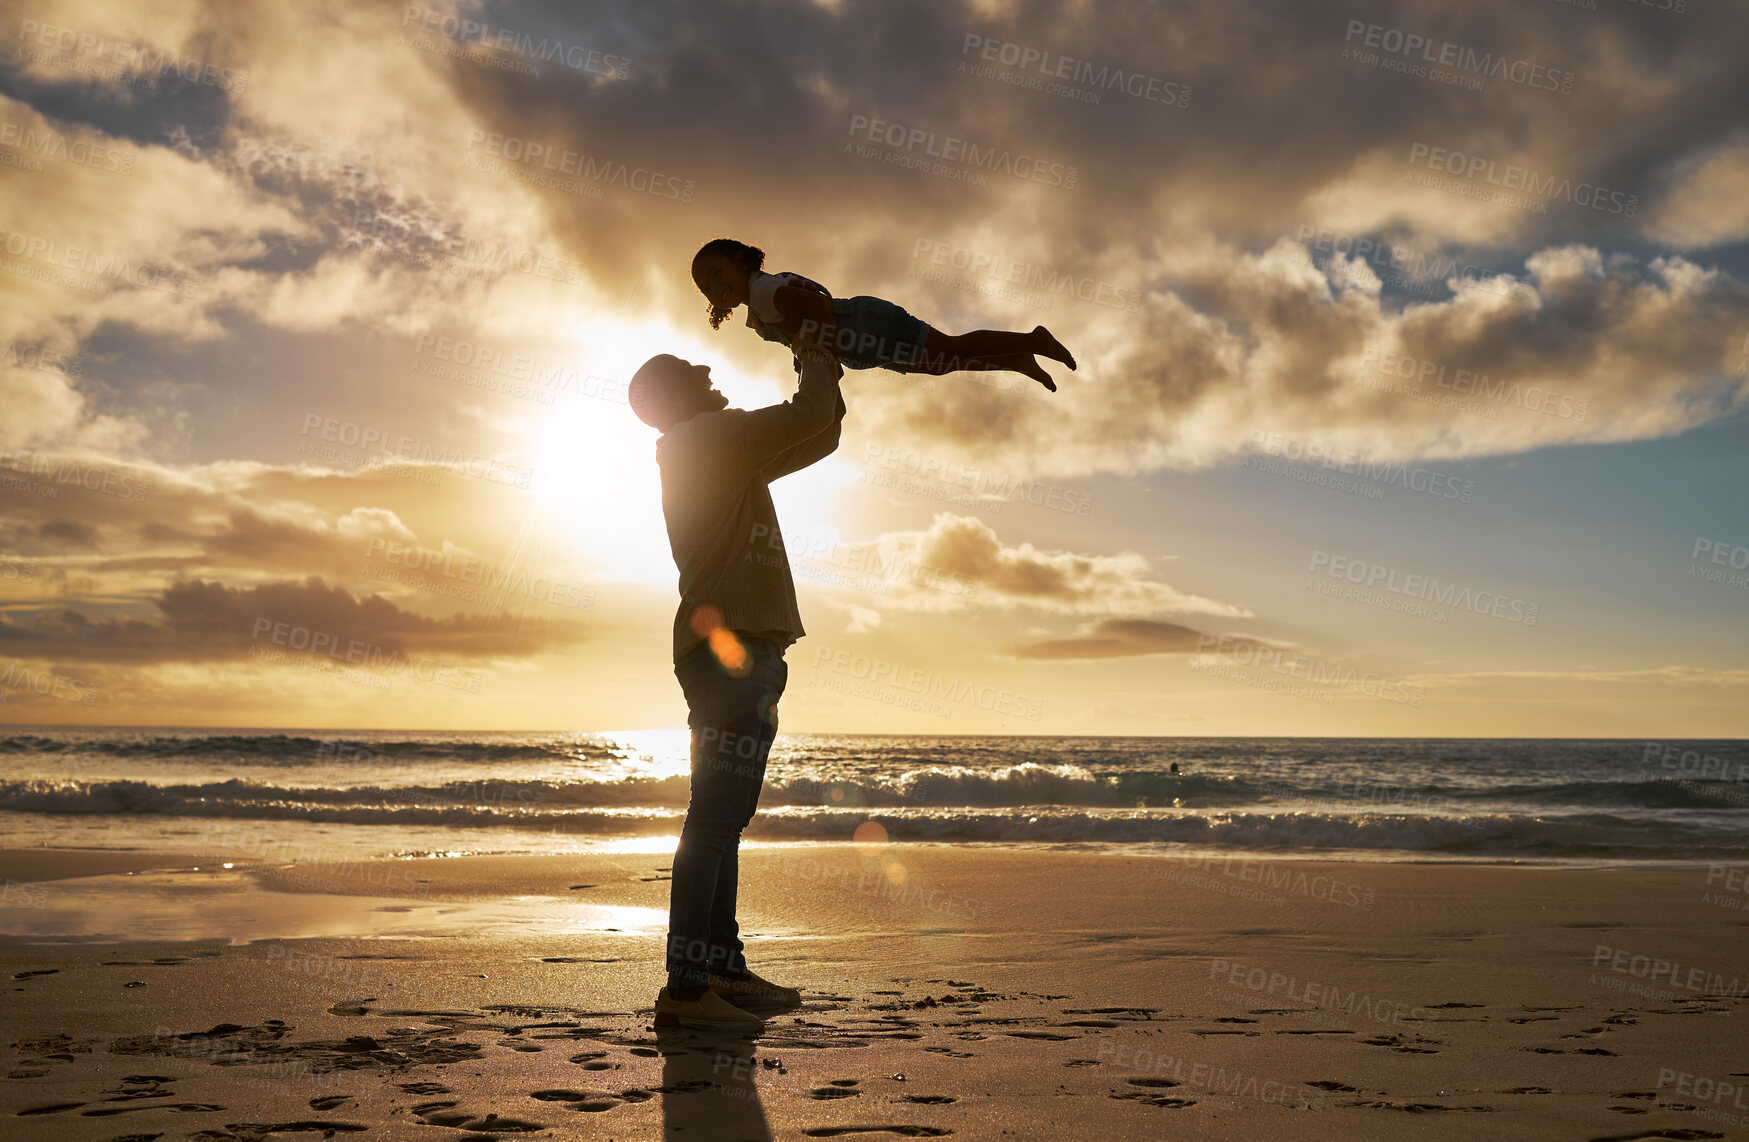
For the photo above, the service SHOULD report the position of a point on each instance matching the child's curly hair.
(749, 258)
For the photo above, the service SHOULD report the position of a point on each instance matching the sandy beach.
(969, 992)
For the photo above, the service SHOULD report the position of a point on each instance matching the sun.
(597, 492)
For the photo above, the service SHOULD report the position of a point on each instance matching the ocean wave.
(1594, 835)
(1015, 786)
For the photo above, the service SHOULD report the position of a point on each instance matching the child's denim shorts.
(873, 333)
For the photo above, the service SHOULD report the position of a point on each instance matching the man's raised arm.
(780, 434)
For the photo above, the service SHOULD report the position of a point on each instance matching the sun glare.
(597, 489)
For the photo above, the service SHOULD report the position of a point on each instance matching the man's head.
(666, 391)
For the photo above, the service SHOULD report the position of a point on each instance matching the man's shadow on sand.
(708, 1086)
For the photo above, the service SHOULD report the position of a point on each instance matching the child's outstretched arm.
(807, 313)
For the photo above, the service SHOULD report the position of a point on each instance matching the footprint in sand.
(579, 960)
(1417, 1107)
(174, 1108)
(447, 1114)
(592, 1102)
(1165, 1101)
(1400, 1044)
(902, 1131)
(326, 1127)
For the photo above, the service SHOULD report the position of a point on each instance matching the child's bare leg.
(981, 350)
(1001, 343)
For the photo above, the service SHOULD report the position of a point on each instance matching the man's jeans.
(733, 722)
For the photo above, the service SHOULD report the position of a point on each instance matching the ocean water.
(381, 793)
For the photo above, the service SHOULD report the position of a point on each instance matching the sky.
(1412, 339)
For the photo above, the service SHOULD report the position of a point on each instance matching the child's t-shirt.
(762, 314)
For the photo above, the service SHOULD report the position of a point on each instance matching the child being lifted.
(865, 332)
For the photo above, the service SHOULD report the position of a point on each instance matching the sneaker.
(751, 988)
(710, 1011)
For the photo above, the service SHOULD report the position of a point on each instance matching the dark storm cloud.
(209, 622)
(1117, 638)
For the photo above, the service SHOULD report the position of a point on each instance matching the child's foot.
(1050, 347)
(1036, 371)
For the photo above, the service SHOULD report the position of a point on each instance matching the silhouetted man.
(737, 616)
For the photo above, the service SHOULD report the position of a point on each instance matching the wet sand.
(948, 991)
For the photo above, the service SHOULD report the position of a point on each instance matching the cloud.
(1117, 638)
(1658, 676)
(960, 561)
(1706, 204)
(207, 622)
